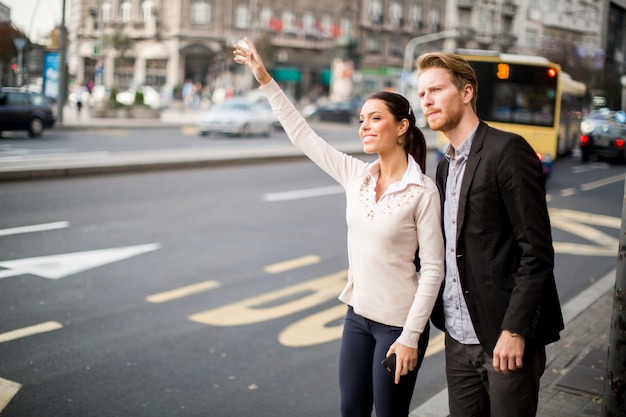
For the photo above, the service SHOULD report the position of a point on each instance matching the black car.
(604, 141)
(336, 111)
(25, 110)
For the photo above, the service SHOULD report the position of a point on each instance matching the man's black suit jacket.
(504, 242)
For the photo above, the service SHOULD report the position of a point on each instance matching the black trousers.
(363, 381)
(475, 389)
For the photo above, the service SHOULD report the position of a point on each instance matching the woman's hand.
(406, 359)
(245, 53)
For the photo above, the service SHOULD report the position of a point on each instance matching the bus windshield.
(516, 93)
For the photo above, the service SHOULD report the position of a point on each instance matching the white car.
(151, 97)
(238, 116)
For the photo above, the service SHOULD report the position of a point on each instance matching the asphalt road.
(212, 292)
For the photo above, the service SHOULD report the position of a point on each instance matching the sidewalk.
(573, 383)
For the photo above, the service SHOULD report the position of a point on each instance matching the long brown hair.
(399, 106)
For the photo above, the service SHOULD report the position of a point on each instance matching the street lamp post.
(409, 50)
(20, 43)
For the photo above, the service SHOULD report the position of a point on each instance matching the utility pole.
(614, 402)
(62, 67)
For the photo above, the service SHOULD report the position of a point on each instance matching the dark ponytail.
(399, 106)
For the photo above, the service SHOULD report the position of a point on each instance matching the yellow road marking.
(279, 303)
(600, 183)
(313, 330)
(182, 292)
(292, 264)
(8, 389)
(576, 223)
(436, 344)
(30, 331)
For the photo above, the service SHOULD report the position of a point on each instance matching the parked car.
(21, 109)
(605, 141)
(151, 97)
(334, 111)
(238, 116)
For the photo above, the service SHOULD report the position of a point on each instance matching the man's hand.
(509, 352)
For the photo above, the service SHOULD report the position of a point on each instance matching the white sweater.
(382, 236)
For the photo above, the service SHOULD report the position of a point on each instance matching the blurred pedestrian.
(392, 209)
(80, 91)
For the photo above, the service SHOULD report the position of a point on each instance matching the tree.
(120, 42)
(8, 51)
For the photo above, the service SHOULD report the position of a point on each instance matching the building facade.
(310, 46)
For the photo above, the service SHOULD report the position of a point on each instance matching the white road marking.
(63, 265)
(182, 292)
(34, 228)
(306, 193)
(48, 326)
(8, 389)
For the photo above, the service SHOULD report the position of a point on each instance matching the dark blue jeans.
(363, 381)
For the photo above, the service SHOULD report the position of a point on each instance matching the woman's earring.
(399, 141)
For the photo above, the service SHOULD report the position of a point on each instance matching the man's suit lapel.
(473, 160)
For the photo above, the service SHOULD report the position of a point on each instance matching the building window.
(288, 22)
(156, 72)
(126, 11)
(265, 17)
(327, 25)
(530, 40)
(242, 16)
(346, 26)
(395, 47)
(124, 72)
(433, 20)
(106, 11)
(395, 14)
(200, 13)
(148, 11)
(415, 17)
(376, 11)
(372, 44)
(308, 23)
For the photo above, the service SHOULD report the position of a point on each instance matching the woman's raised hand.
(245, 53)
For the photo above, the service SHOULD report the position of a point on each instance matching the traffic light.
(13, 67)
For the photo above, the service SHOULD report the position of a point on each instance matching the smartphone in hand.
(389, 363)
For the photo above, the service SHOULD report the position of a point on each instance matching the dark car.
(604, 141)
(25, 110)
(336, 111)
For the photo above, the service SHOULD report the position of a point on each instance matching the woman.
(392, 209)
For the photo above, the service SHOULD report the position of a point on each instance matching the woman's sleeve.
(338, 165)
(431, 254)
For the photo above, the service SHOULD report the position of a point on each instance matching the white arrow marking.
(8, 389)
(34, 228)
(61, 266)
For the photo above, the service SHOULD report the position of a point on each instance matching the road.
(212, 291)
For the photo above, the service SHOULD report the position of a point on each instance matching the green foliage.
(138, 98)
(112, 100)
(120, 42)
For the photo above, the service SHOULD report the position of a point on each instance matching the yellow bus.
(530, 96)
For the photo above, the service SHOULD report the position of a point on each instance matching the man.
(499, 305)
